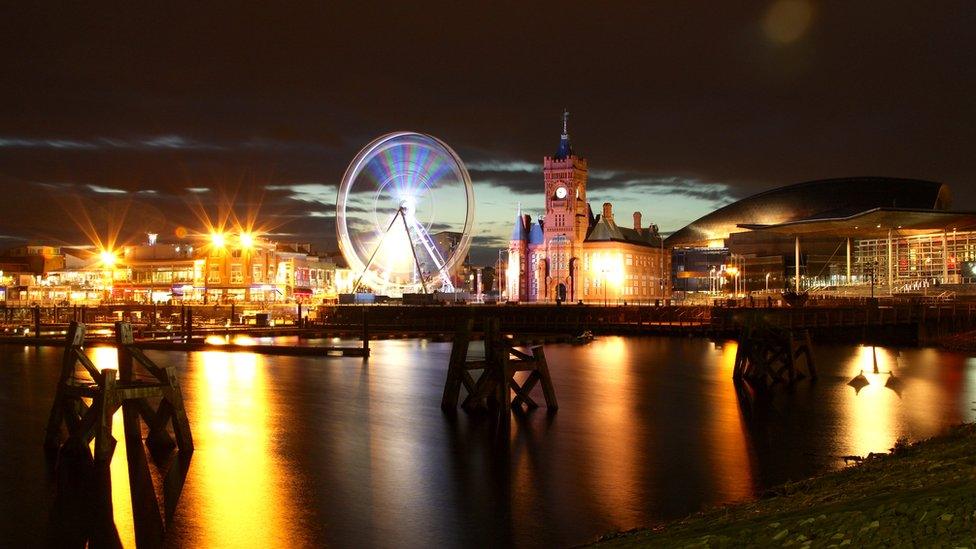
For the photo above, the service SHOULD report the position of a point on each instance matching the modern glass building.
(831, 235)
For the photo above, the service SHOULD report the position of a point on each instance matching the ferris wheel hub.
(409, 207)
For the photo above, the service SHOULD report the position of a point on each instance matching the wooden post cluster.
(497, 381)
(110, 389)
(769, 355)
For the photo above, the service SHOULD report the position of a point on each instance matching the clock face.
(561, 192)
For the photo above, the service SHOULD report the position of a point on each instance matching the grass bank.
(921, 494)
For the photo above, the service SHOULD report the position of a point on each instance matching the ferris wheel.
(404, 214)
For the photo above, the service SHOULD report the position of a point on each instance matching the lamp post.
(498, 276)
(733, 272)
(767, 282)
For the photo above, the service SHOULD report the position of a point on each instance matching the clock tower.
(566, 219)
(565, 176)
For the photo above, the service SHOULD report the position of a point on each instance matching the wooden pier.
(902, 321)
(497, 381)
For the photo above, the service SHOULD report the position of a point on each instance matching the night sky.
(158, 117)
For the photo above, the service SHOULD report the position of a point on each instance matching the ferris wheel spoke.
(440, 265)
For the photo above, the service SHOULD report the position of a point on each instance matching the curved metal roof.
(821, 199)
(874, 223)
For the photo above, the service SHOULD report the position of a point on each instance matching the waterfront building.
(573, 255)
(46, 274)
(845, 234)
(32, 259)
(219, 268)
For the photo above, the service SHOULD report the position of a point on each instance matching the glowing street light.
(733, 272)
(247, 240)
(217, 239)
(108, 258)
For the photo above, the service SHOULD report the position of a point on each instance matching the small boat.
(585, 337)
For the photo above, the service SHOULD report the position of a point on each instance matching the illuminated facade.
(570, 255)
(223, 269)
(832, 234)
(917, 262)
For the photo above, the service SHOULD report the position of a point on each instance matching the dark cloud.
(182, 107)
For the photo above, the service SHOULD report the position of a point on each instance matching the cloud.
(489, 241)
(23, 143)
(308, 192)
(525, 178)
(718, 193)
(504, 166)
(105, 190)
(159, 142)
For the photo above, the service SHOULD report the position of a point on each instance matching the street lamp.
(108, 258)
(734, 273)
(767, 282)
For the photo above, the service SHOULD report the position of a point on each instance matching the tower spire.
(565, 148)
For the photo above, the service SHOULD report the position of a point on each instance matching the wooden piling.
(497, 381)
(109, 389)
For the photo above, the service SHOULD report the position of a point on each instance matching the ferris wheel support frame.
(403, 217)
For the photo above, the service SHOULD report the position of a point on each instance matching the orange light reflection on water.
(237, 339)
(731, 458)
(236, 474)
(107, 358)
(613, 453)
(875, 410)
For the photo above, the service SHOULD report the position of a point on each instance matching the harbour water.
(295, 451)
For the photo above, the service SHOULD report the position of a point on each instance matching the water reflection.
(315, 451)
(610, 456)
(733, 464)
(236, 339)
(102, 358)
(872, 420)
(236, 482)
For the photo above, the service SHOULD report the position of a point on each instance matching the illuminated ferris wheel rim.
(362, 267)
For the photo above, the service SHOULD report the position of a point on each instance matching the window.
(214, 277)
(256, 272)
(236, 274)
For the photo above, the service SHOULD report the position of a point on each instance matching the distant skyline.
(154, 118)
